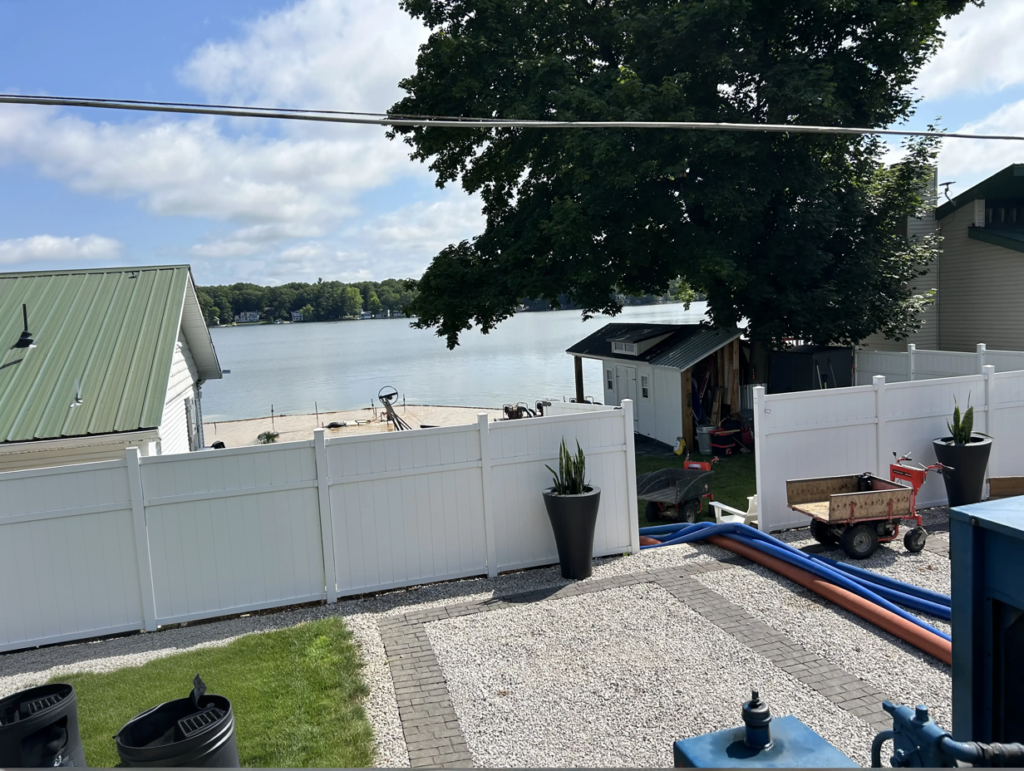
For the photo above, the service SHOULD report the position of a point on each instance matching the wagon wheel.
(689, 511)
(914, 539)
(859, 542)
(822, 533)
(653, 512)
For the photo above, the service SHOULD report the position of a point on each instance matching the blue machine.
(760, 743)
(987, 552)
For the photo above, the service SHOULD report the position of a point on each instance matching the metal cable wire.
(385, 119)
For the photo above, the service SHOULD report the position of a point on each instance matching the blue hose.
(776, 548)
(891, 583)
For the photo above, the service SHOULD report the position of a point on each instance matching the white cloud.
(316, 53)
(49, 248)
(981, 52)
(969, 161)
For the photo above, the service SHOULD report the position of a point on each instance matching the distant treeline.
(322, 301)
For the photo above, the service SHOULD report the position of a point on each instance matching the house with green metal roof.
(979, 275)
(94, 361)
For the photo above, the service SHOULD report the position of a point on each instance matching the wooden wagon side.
(836, 499)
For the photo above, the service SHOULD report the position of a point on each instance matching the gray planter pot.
(965, 481)
(573, 518)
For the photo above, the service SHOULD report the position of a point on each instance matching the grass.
(296, 695)
(733, 482)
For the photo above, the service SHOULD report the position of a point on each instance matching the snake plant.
(962, 427)
(570, 478)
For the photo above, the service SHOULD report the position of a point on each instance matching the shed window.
(619, 347)
(611, 386)
(643, 387)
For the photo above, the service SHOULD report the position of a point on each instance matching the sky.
(271, 202)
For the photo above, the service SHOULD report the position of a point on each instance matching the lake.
(341, 365)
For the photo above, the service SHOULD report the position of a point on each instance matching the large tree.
(801, 234)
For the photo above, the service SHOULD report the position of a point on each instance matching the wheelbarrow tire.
(859, 542)
(915, 539)
(653, 512)
(822, 533)
(689, 511)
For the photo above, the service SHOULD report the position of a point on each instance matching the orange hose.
(867, 610)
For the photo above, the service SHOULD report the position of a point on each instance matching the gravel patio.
(528, 669)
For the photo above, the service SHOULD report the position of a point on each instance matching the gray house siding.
(982, 289)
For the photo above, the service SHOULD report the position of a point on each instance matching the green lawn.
(733, 482)
(296, 695)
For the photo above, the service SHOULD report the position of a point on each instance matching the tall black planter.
(966, 481)
(572, 519)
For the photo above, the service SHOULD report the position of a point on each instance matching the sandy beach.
(293, 428)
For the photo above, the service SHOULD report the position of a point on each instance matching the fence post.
(911, 349)
(323, 489)
(142, 558)
(759, 410)
(485, 486)
(631, 499)
(989, 373)
(981, 357)
(881, 461)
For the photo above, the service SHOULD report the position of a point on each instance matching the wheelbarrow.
(675, 493)
(860, 511)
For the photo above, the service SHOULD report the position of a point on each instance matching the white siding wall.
(646, 408)
(180, 386)
(928, 335)
(981, 287)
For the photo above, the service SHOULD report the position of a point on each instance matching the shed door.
(625, 388)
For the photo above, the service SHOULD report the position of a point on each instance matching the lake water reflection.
(342, 365)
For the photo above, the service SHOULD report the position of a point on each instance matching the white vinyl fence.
(131, 544)
(853, 430)
(913, 364)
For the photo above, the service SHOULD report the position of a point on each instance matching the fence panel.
(852, 430)
(406, 507)
(67, 551)
(574, 408)
(894, 366)
(933, 364)
(521, 452)
(233, 530)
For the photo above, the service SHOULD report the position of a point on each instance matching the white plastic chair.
(728, 515)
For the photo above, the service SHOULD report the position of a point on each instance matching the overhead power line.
(386, 119)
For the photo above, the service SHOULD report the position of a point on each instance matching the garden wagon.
(676, 493)
(860, 511)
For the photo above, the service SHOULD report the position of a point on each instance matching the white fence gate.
(925, 365)
(853, 430)
(101, 548)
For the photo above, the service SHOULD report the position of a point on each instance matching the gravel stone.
(612, 679)
(899, 670)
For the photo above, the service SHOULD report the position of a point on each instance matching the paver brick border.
(430, 724)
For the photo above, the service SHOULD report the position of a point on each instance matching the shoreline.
(291, 427)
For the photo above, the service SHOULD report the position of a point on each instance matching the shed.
(111, 358)
(660, 367)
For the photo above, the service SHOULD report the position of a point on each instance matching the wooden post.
(687, 394)
(734, 375)
(578, 364)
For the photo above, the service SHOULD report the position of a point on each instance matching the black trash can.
(39, 728)
(198, 732)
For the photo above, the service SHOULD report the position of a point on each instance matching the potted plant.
(966, 454)
(572, 508)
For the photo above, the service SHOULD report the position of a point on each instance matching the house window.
(644, 391)
(611, 386)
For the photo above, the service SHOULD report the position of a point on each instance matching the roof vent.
(25, 341)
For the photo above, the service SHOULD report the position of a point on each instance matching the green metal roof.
(1008, 183)
(112, 330)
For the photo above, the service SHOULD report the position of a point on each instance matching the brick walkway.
(432, 731)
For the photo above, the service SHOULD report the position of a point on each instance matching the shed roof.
(685, 345)
(113, 330)
(1007, 183)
